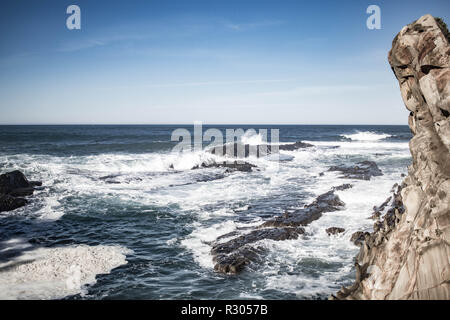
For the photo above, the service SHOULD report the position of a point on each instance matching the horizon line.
(191, 124)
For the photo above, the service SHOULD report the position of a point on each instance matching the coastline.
(408, 256)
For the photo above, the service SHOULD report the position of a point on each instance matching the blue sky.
(242, 62)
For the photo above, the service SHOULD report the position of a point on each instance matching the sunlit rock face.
(408, 255)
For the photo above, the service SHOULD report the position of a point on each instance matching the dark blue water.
(122, 186)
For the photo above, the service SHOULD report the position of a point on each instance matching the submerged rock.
(407, 254)
(239, 150)
(343, 187)
(233, 255)
(334, 230)
(294, 146)
(362, 170)
(235, 166)
(326, 202)
(13, 186)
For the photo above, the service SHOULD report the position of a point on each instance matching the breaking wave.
(366, 136)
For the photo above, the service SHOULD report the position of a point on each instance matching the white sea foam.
(251, 138)
(51, 273)
(366, 136)
(165, 180)
(199, 241)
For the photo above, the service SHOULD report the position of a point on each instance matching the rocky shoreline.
(233, 255)
(407, 254)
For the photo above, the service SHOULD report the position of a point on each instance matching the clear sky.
(239, 62)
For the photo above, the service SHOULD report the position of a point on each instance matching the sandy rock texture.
(408, 254)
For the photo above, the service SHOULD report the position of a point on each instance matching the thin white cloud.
(96, 42)
(203, 83)
(252, 25)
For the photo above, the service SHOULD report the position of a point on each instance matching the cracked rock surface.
(407, 255)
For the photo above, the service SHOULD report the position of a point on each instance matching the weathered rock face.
(408, 256)
(334, 230)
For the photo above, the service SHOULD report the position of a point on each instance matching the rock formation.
(13, 186)
(232, 256)
(363, 170)
(407, 255)
(239, 150)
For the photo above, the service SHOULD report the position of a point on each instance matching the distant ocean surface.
(121, 190)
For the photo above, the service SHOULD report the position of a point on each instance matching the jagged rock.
(294, 146)
(334, 230)
(8, 203)
(235, 166)
(408, 253)
(342, 187)
(358, 237)
(362, 170)
(239, 150)
(13, 180)
(13, 186)
(232, 256)
(326, 202)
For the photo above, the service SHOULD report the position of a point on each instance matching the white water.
(52, 273)
(149, 179)
(366, 136)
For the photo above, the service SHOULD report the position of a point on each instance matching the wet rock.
(233, 255)
(235, 166)
(8, 203)
(343, 187)
(359, 237)
(294, 146)
(363, 170)
(239, 150)
(334, 230)
(326, 202)
(13, 180)
(13, 186)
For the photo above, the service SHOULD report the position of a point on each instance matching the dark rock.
(239, 150)
(13, 180)
(235, 166)
(362, 170)
(326, 202)
(14, 185)
(36, 183)
(378, 210)
(343, 187)
(334, 230)
(375, 215)
(256, 235)
(232, 256)
(294, 146)
(8, 203)
(359, 237)
(22, 192)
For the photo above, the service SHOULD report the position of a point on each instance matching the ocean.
(121, 216)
